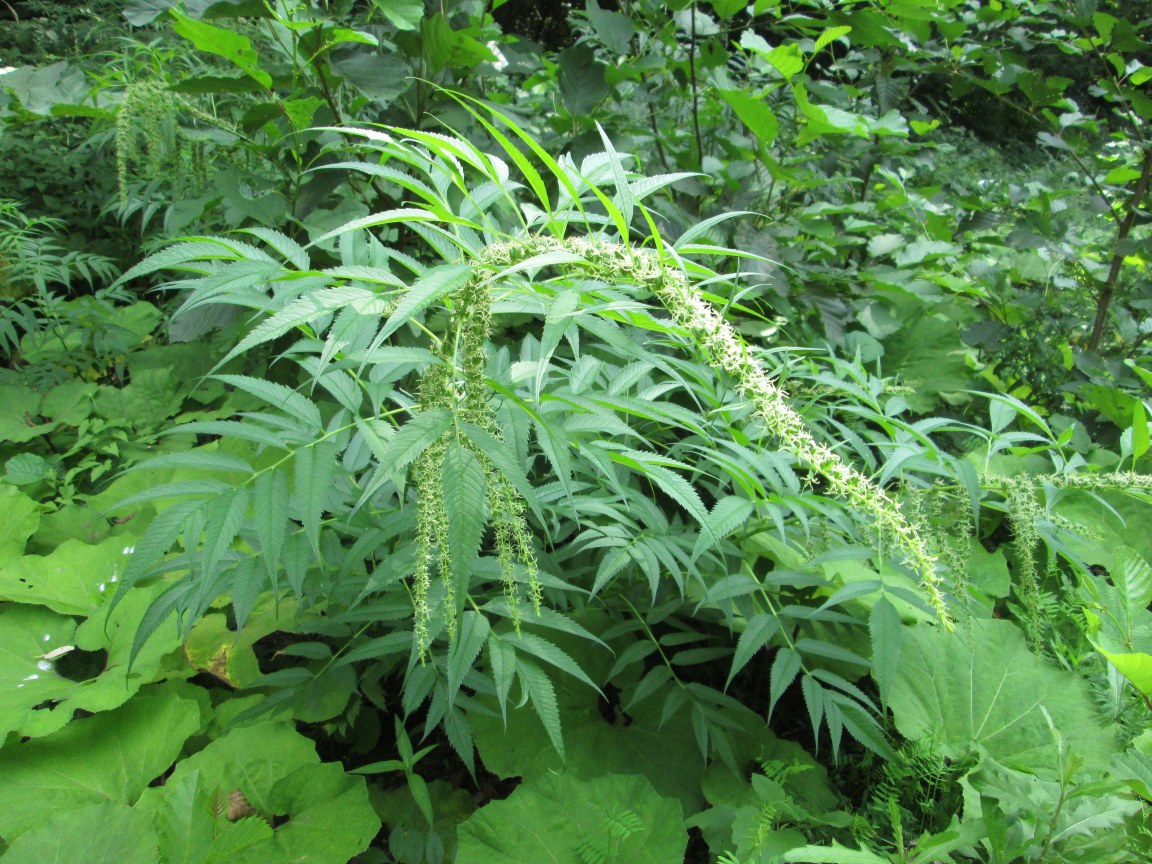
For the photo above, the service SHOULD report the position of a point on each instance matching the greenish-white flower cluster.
(458, 382)
(726, 351)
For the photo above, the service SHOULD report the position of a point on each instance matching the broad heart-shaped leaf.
(325, 813)
(35, 700)
(568, 820)
(99, 834)
(981, 691)
(109, 757)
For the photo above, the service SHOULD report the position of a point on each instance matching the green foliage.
(589, 448)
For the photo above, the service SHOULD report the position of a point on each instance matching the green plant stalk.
(726, 351)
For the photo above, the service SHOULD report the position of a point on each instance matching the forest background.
(593, 432)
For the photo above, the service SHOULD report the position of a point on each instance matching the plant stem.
(695, 93)
(1108, 289)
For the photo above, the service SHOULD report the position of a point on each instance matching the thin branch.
(1108, 289)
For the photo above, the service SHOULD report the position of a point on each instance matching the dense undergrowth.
(718, 435)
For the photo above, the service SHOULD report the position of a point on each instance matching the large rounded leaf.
(320, 813)
(109, 757)
(99, 834)
(981, 691)
(562, 819)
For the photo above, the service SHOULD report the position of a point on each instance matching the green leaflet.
(835, 854)
(539, 689)
(887, 634)
(502, 662)
(671, 483)
(465, 502)
(474, 629)
(296, 406)
(436, 283)
(727, 515)
(315, 470)
(222, 521)
(785, 667)
(270, 512)
(304, 310)
(756, 635)
(504, 462)
(568, 820)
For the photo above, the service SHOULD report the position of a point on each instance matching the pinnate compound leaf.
(984, 692)
(285, 398)
(555, 818)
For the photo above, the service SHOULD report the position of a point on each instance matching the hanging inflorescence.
(458, 383)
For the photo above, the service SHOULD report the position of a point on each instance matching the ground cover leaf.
(324, 812)
(568, 820)
(19, 519)
(107, 758)
(75, 579)
(98, 834)
(36, 700)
